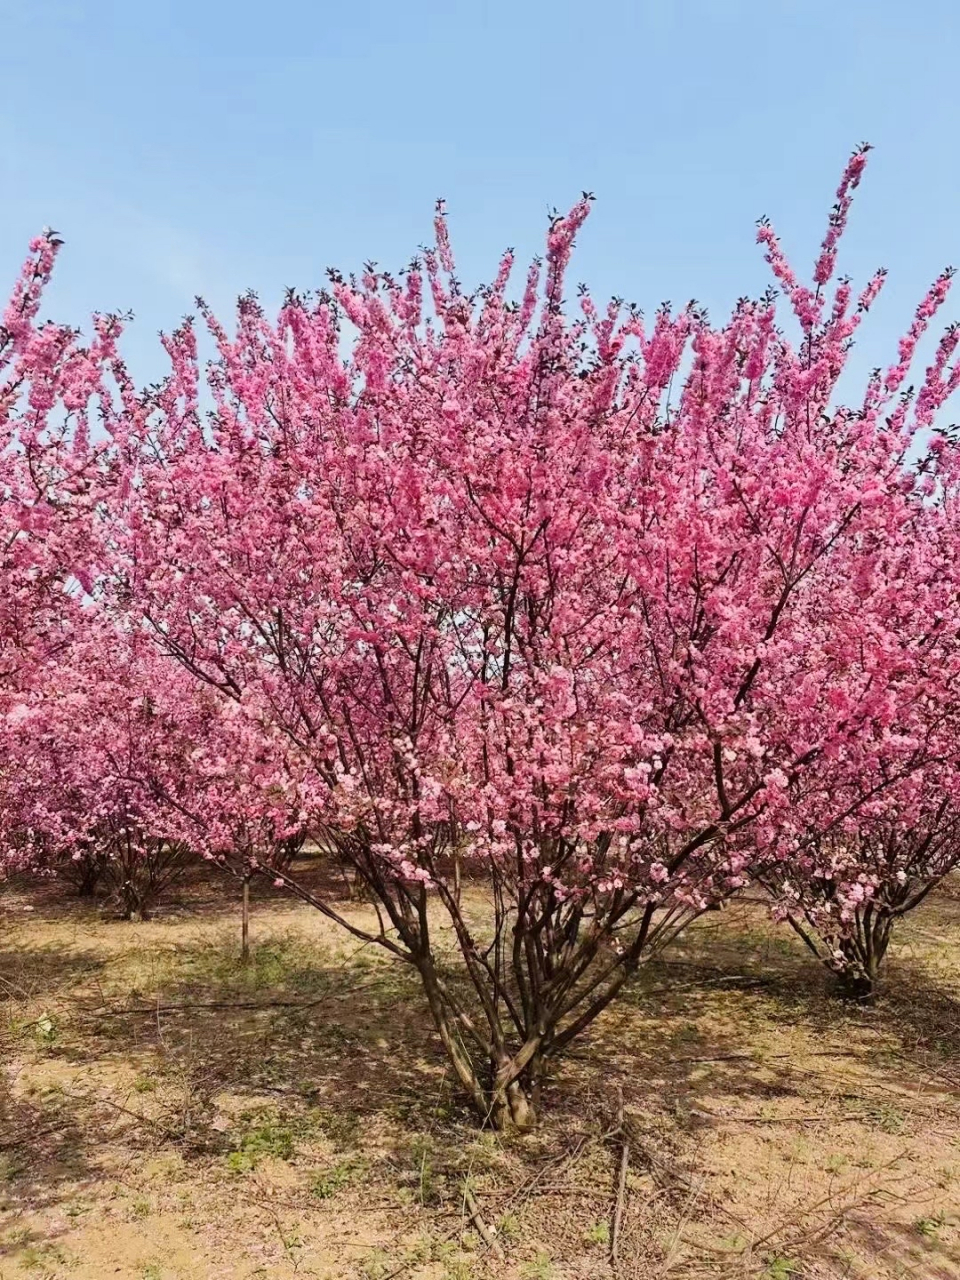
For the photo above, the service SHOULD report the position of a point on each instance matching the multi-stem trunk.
(87, 877)
(854, 956)
(527, 973)
(863, 952)
(503, 1087)
(519, 1000)
(134, 906)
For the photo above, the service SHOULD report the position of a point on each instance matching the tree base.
(514, 1111)
(855, 988)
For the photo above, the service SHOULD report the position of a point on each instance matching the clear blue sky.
(186, 146)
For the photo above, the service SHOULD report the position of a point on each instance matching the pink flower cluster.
(622, 608)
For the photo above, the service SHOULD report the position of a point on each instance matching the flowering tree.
(846, 885)
(861, 882)
(48, 482)
(125, 769)
(553, 625)
(98, 749)
(245, 811)
(90, 780)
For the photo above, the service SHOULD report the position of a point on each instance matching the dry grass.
(165, 1114)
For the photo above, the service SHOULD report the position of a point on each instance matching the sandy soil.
(166, 1114)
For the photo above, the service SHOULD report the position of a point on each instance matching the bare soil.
(166, 1114)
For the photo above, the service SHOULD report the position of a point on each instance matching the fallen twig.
(760, 1059)
(153, 1010)
(486, 1235)
(165, 1131)
(29, 1138)
(821, 1118)
(621, 1186)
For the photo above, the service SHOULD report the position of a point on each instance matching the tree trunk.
(87, 881)
(857, 987)
(863, 955)
(511, 1110)
(134, 904)
(508, 1102)
(515, 1104)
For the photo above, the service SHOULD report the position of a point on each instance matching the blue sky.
(206, 146)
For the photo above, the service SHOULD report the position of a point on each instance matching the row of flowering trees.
(557, 624)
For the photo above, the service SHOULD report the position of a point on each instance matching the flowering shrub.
(555, 623)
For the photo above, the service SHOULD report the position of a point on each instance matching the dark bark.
(863, 954)
(88, 878)
(854, 957)
(508, 999)
(138, 869)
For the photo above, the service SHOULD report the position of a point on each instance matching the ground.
(166, 1114)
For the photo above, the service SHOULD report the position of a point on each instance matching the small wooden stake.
(245, 923)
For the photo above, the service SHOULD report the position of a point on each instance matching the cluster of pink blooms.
(628, 608)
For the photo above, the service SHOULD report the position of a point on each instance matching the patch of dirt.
(167, 1114)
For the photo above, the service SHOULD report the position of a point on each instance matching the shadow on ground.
(137, 1044)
